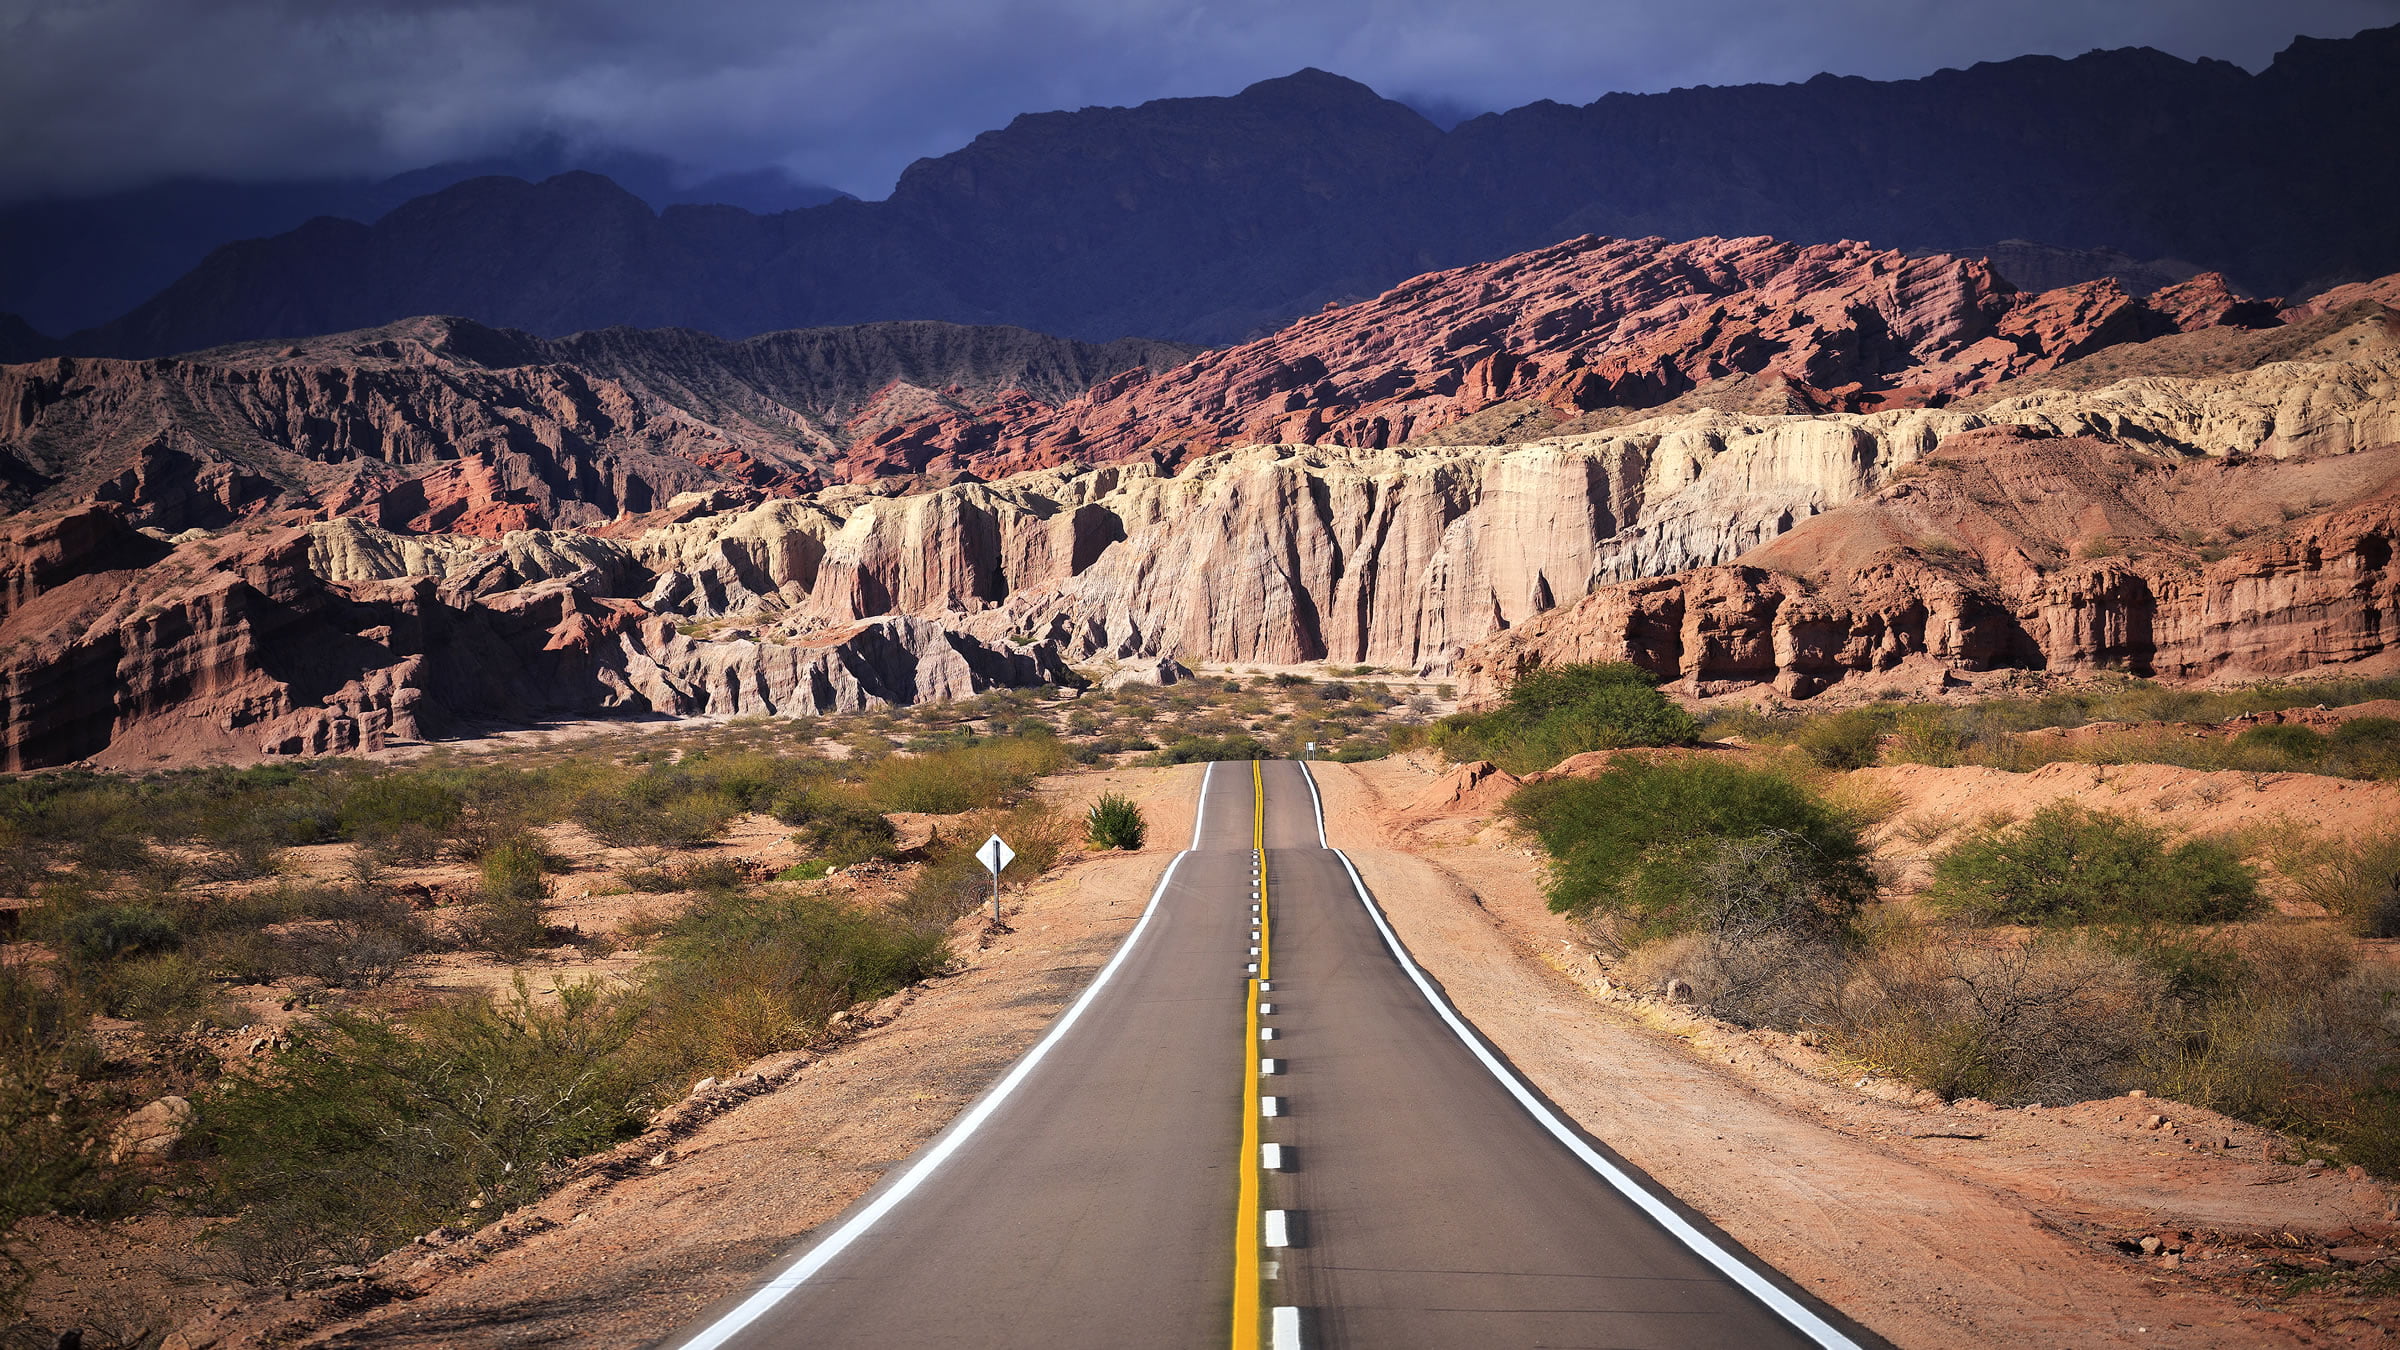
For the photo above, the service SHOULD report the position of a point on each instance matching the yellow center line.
(1247, 1236)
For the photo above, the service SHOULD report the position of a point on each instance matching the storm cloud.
(98, 94)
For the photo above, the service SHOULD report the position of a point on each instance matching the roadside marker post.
(995, 855)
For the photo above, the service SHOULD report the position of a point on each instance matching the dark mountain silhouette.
(1209, 219)
(71, 263)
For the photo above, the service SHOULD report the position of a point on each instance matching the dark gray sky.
(108, 93)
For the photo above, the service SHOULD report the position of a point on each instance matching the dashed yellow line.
(1247, 1237)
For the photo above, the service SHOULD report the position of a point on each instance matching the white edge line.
(1708, 1249)
(1200, 816)
(818, 1256)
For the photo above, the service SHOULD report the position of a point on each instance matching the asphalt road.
(1094, 1197)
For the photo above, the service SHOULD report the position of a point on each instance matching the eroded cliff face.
(2052, 528)
(2209, 501)
(2013, 549)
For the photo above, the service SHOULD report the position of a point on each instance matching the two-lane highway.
(1204, 1153)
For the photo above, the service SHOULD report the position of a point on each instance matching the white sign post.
(995, 855)
(1312, 751)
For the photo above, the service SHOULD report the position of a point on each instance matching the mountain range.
(1210, 220)
(1734, 461)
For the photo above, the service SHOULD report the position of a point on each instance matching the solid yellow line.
(1247, 1235)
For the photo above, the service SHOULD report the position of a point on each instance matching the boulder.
(152, 1132)
(1161, 671)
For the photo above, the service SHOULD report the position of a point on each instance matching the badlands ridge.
(1734, 461)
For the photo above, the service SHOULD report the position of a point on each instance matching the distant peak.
(1310, 82)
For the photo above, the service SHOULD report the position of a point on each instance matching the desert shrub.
(1930, 736)
(701, 874)
(740, 976)
(965, 778)
(1114, 822)
(367, 1131)
(379, 807)
(1208, 749)
(513, 897)
(953, 881)
(1843, 741)
(839, 827)
(362, 938)
(1638, 843)
(2366, 747)
(2304, 1044)
(658, 808)
(2285, 740)
(161, 988)
(2068, 864)
(2052, 1020)
(47, 1129)
(109, 932)
(1763, 948)
(1553, 712)
(2357, 881)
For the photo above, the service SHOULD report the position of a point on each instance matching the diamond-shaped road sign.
(995, 855)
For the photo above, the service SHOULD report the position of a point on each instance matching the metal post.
(995, 897)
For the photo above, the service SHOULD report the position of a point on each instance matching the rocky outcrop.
(2019, 551)
(235, 648)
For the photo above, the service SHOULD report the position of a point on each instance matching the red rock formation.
(1585, 325)
(2047, 554)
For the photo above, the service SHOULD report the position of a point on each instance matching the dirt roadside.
(647, 1236)
(1931, 1226)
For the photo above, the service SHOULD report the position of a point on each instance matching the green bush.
(49, 1159)
(841, 829)
(2284, 739)
(965, 778)
(741, 976)
(1843, 741)
(382, 806)
(2072, 865)
(1114, 822)
(1638, 840)
(367, 1132)
(1553, 712)
(514, 897)
(2357, 881)
(112, 932)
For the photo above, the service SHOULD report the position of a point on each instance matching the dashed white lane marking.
(1270, 1106)
(816, 1258)
(1783, 1305)
(1270, 1157)
(1270, 1066)
(1285, 1329)
(1279, 1229)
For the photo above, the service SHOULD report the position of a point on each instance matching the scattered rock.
(152, 1132)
